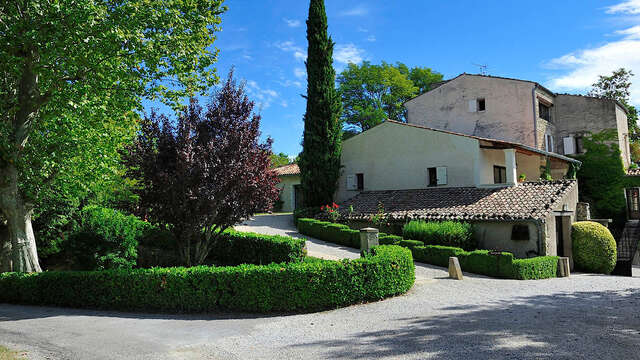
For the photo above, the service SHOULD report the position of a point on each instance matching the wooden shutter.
(472, 105)
(441, 173)
(351, 182)
(569, 145)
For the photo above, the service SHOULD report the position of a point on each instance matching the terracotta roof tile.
(527, 201)
(633, 172)
(291, 169)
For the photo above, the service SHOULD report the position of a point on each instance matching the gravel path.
(581, 317)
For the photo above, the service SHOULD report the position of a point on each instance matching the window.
(519, 232)
(437, 176)
(499, 174)
(569, 143)
(360, 181)
(433, 176)
(480, 105)
(544, 111)
(548, 142)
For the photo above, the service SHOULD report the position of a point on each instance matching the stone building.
(521, 111)
(289, 186)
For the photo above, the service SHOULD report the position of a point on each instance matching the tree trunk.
(5, 247)
(24, 254)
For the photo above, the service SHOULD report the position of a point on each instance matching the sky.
(563, 45)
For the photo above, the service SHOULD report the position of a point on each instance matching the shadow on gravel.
(598, 325)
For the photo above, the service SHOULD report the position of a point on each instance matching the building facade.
(289, 186)
(520, 111)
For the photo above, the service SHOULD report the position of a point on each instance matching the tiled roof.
(527, 201)
(291, 169)
(633, 172)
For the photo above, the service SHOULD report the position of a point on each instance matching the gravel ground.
(582, 317)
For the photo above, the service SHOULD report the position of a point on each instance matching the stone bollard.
(368, 239)
(563, 267)
(455, 272)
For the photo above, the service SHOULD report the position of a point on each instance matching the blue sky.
(563, 45)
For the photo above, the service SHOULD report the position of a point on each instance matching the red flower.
(335, 206)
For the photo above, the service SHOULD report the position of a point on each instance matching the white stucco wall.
(286, 186)
(623, 136)
(396, 157)
(508, 115)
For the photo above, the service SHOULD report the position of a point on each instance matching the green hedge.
(385, 239)
(594, 248)
(447, 233)
(234, 248)
(485, 262)
(541, 267)
(299, 286)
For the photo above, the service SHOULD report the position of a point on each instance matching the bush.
(594, 248)
(447, 233)
(307, 212)
(299, 286)
(106, 239)
(411, 243)
(385, 239)
(541, 267)
(234, 248)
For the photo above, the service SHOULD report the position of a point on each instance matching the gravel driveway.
(585, 317)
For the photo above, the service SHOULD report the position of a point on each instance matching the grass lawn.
(6, 354)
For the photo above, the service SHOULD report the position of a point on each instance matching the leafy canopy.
(373, 93)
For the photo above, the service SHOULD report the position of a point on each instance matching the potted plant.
(522, 178)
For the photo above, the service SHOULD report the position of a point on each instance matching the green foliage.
(594, 248)
(280, 159)
(373, 93)
(322, 140)
(485, 262)
(540, 267)
(306, 212)
(545, 171)
(604, 193)
(298, 286)
(448, 233)
(234, 248)
(338, 233)
(107, 239)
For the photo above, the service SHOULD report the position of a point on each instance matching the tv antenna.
(483, 68)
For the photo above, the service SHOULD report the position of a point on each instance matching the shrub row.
(234, 248)
(298, 286)
(484, 262)
(448, 233)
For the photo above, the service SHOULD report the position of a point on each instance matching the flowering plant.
(331, 211)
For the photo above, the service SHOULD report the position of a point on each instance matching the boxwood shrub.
(448, 233)
(234, 248)
(594, 248)
(297, 286)
(484, 262)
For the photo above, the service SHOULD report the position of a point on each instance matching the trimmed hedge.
(385, 239)
(541, 267)
(300, 286)
(447, 233)
(485, 262)
(594, 248)
(234, 248)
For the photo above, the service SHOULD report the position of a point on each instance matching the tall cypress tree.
(321, 145)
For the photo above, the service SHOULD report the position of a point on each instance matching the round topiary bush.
(594, 248)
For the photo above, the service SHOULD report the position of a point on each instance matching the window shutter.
(441, 173)
(351, 182)
(472, 105)
(569, 145)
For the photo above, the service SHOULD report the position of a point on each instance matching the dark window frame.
(360, 181)
(432, 176)
(481, 104)
(579, 147)
(520, 232)
(546, 114)
(502, 171)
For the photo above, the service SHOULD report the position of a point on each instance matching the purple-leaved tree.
(205, 173)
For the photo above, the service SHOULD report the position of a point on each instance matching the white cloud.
(292, 23)
(359, 10)
(284, 103)
(289, 83)
(582, 67)
(264, 97)
(626, 7)
(300, 73)
(371, 38)
(348, 53)
(290, 46)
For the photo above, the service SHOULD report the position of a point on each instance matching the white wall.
(286, 185)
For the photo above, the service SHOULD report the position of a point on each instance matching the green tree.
(280, 159)
(72, 74)
(373, 93)
(321, 143)
(617, 86)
